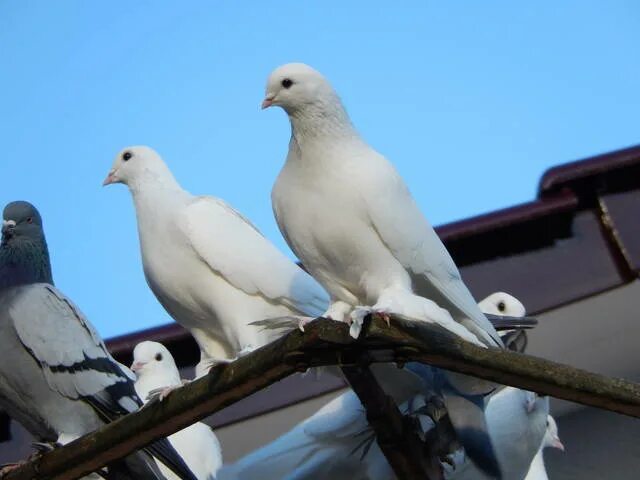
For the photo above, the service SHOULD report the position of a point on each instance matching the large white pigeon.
(348, 215)
(209, 267)
(538, 471)
(56, 376)
(156, 369)
(337, 443)
(350, 218)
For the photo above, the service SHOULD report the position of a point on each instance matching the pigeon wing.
(234, 249)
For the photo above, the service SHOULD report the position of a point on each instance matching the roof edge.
(567, 175)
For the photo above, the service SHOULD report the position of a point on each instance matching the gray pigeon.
(57, 377)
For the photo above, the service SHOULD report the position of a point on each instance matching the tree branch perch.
(394, 432)
(326, 342)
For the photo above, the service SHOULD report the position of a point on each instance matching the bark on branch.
(326, 342)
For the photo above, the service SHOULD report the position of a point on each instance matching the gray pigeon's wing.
(76, 363)
(73, 357)
(405, 231)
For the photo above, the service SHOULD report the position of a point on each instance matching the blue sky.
(471, 100)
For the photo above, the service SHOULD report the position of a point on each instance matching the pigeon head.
(551, 438)
(24, 257)
(297, 88)
(501, 303)
(134, 163)
(153, 358)
(21, 220)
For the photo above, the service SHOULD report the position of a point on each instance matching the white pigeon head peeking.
(132, 164)
(154, 365)
(501, 303)
(295, 86)
(551, 437)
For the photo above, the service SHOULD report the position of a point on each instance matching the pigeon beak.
(267, 102)
(111, 178)
(137, 366)
(8, 226)
(557, 444)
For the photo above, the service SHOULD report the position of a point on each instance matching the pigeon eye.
(547, 423)
(287, 82)
(501, 307)
(126, 156)
(158, 357)
(29, 219)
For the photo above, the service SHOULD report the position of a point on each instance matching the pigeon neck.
(154, 380)
(321, 120)
(24, 262)
(151, 181)
(537, 470)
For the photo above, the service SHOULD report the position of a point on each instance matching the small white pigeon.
(551, 439)
(350, 218)
(211, 269)
(337, 443)
(155, 369)
(347, 214)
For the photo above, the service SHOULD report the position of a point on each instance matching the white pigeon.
(551, 439)
(516, 421)
(501, 303)
(57, 377)
(350, 218)
(325, 446)
(337, 443)
(346, 213)
(155, 369)
(209, 267)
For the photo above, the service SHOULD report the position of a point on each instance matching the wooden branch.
(326, 343)
(395, 433)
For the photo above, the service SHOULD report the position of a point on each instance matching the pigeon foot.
(159, 394)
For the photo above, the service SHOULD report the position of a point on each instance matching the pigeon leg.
(205, 364)
(338, 311)
(159, 394)
(360, 312)
(304, 321)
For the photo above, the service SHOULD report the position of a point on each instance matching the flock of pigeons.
(346, 213)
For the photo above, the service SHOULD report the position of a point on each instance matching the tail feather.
(165, 453)
(467, 416)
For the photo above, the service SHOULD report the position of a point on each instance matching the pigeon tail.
(467, 416)
(163, 451)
